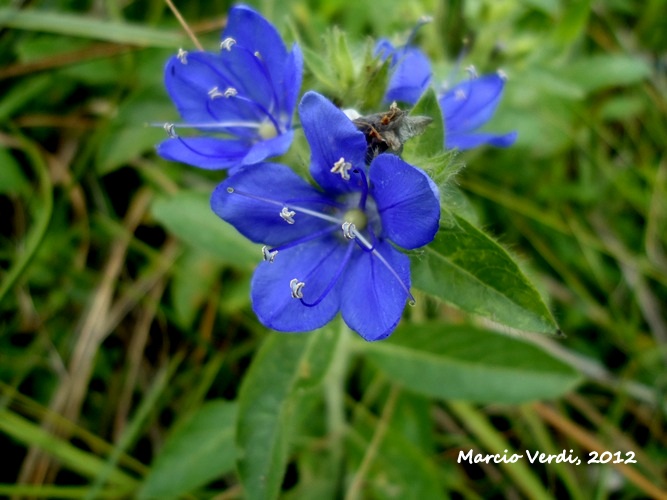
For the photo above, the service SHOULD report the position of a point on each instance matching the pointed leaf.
(465, 267)
(199, 450)
(188, 215)
(271, 393)
(463, 362)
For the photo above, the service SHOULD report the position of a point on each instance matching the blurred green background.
(125, 324)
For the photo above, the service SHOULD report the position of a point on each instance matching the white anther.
(230, 92)
(269, 255)
(227, 43)
(349, 230)
(342, 167)
(296, 287)
(425, 19)
(472, 71)
(503, 76)
(215, 92)
(182, 56)
(287, 215)
(171, 130)
(257, 54)
(460, 95)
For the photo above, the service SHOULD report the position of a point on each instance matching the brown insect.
(389, 130)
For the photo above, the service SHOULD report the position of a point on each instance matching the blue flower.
(468, 106)
(410, 71)
(242, 98)
(465, 107)
(332, 249)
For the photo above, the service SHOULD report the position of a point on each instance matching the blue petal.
(472, 140)
(410, 77)
(315, 263)
(407, 200)
(204, 152)
(254, 33)
(189, 84)
(260, 192)
(472, 103)
(331, 136)
(292, 81)
(268, 148)
(372, 299)
(384, 49)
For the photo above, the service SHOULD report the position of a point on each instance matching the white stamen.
(425, 19)
(227, 43)
(460, 95)
(230, 92)
(215, 92)
(503, 76)
(287, 215)
(182, 56)
(258, 55)
(269, 255)
(296, 287)
(472, 72)
(342, 167)
(169, 127)
(349, 230)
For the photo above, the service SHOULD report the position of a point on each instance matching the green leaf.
(465, 267)
(188, 215)
(431, 142)
(194, 277)
(12, 178)
(73, 458)
(271, 392)
(400, 469)
(463, 362)
(371, 83)
(88, 27)
(607, 70)
(199, 449)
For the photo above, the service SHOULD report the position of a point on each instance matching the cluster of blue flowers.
(331, 247)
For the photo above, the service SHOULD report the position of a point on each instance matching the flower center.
(267, 130)
(357, 217)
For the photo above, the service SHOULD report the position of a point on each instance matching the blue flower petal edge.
(332, 249)
(469, 105)
(465, 108)
(240, 99)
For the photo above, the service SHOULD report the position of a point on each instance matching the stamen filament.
(209, 125)
(360, 238)
(283, 204)
(261, 109)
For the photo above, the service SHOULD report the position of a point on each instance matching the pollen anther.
(269, 255)
(349, 230)
(227, 44)
(296, 287)
(170, 128)
(460, 95)
(182, 56)
(472, 71)
(503, 76)
(215, 92)
(230, 92)
(287, 215)
(342, 167)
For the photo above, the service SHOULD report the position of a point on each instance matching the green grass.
(126, 332)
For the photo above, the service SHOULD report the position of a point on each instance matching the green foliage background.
(131, 364)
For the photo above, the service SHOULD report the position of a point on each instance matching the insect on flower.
(240, 99)
(388, 131)
(335, 248)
